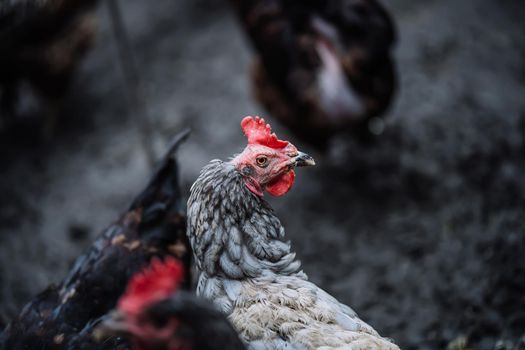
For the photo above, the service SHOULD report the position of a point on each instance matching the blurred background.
(415, 213)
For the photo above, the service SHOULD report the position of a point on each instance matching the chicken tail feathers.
(163, 188)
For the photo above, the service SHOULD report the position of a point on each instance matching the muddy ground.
(422, 232)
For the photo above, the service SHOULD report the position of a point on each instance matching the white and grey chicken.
(248, 269)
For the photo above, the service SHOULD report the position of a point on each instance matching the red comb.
(259, 133)
(155, 282)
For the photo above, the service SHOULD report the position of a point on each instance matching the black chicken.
(154, 315)
(322, 66)
(41, 44)
(63, 317)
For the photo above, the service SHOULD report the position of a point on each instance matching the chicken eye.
(262, 161)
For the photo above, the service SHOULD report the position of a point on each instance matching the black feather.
(63, 317)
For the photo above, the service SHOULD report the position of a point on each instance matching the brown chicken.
(41, 44)
(321, 66)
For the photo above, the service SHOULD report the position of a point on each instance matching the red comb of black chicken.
(154, 314)
(63, 317)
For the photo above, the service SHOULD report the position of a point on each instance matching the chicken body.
(249, 270)
(42, 43)
(321, 66)
(64, 317)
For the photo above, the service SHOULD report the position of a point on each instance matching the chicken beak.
(114, 325)
(303, 159)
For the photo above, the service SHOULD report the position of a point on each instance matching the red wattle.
(281, 185)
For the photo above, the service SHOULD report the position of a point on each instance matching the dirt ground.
(422, 232)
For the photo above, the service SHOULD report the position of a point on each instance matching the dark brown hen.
(63, 317)
(321, 66)
(42, 42)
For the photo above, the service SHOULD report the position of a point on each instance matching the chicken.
(248, 269)
(155, 315)
(42, 42)
(321, 66)
(63, 317)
